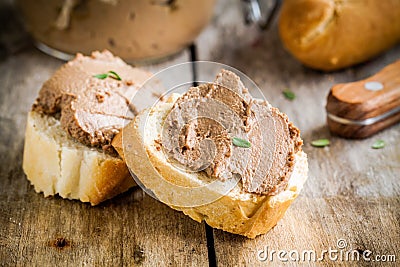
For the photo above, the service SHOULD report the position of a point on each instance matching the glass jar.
(136, 30)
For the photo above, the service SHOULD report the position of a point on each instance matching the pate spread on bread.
(72, 123)
(92, 110)
(182, 150)
(225, 109)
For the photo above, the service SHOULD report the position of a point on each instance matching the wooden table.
(353, 191)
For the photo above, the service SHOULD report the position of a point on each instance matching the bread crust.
(54, 163)
(329, 35)
(236, 212)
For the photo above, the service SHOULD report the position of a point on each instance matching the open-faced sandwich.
(218, 155)
(69, 130)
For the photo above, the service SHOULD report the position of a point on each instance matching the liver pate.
(91, 110)
(198, 134)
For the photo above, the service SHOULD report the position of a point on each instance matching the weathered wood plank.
(352, 192)
(131, 229)
(317, 224)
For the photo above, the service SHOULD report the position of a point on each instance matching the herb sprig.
(241, 142)
(111, 74)
(321, 143)
(378, 144)
(289, 94)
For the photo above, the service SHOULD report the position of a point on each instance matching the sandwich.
(218, 155)
(69, 130)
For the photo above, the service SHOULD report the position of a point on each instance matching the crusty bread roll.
(236, 212)
(70, 128)
(329, 35)
(57, 164)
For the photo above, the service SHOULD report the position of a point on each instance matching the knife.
(360, 109)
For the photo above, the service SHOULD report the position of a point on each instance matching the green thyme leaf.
(101, 76)
(289, 94)
(114, 75)
(378, 144)
(241, 142)
(320, 143)
(111, 74)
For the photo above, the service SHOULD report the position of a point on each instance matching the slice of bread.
(57, 164)
(236, 212)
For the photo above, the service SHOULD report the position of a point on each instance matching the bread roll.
(69, 131)
(236, 212)
(329, 35)
(57, 164)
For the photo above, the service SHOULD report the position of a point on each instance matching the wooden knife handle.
(360, 109)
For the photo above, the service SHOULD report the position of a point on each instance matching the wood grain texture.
(352, 101)
(129, 230)
(353, 191)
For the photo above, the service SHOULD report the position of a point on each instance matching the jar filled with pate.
(135, 30)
